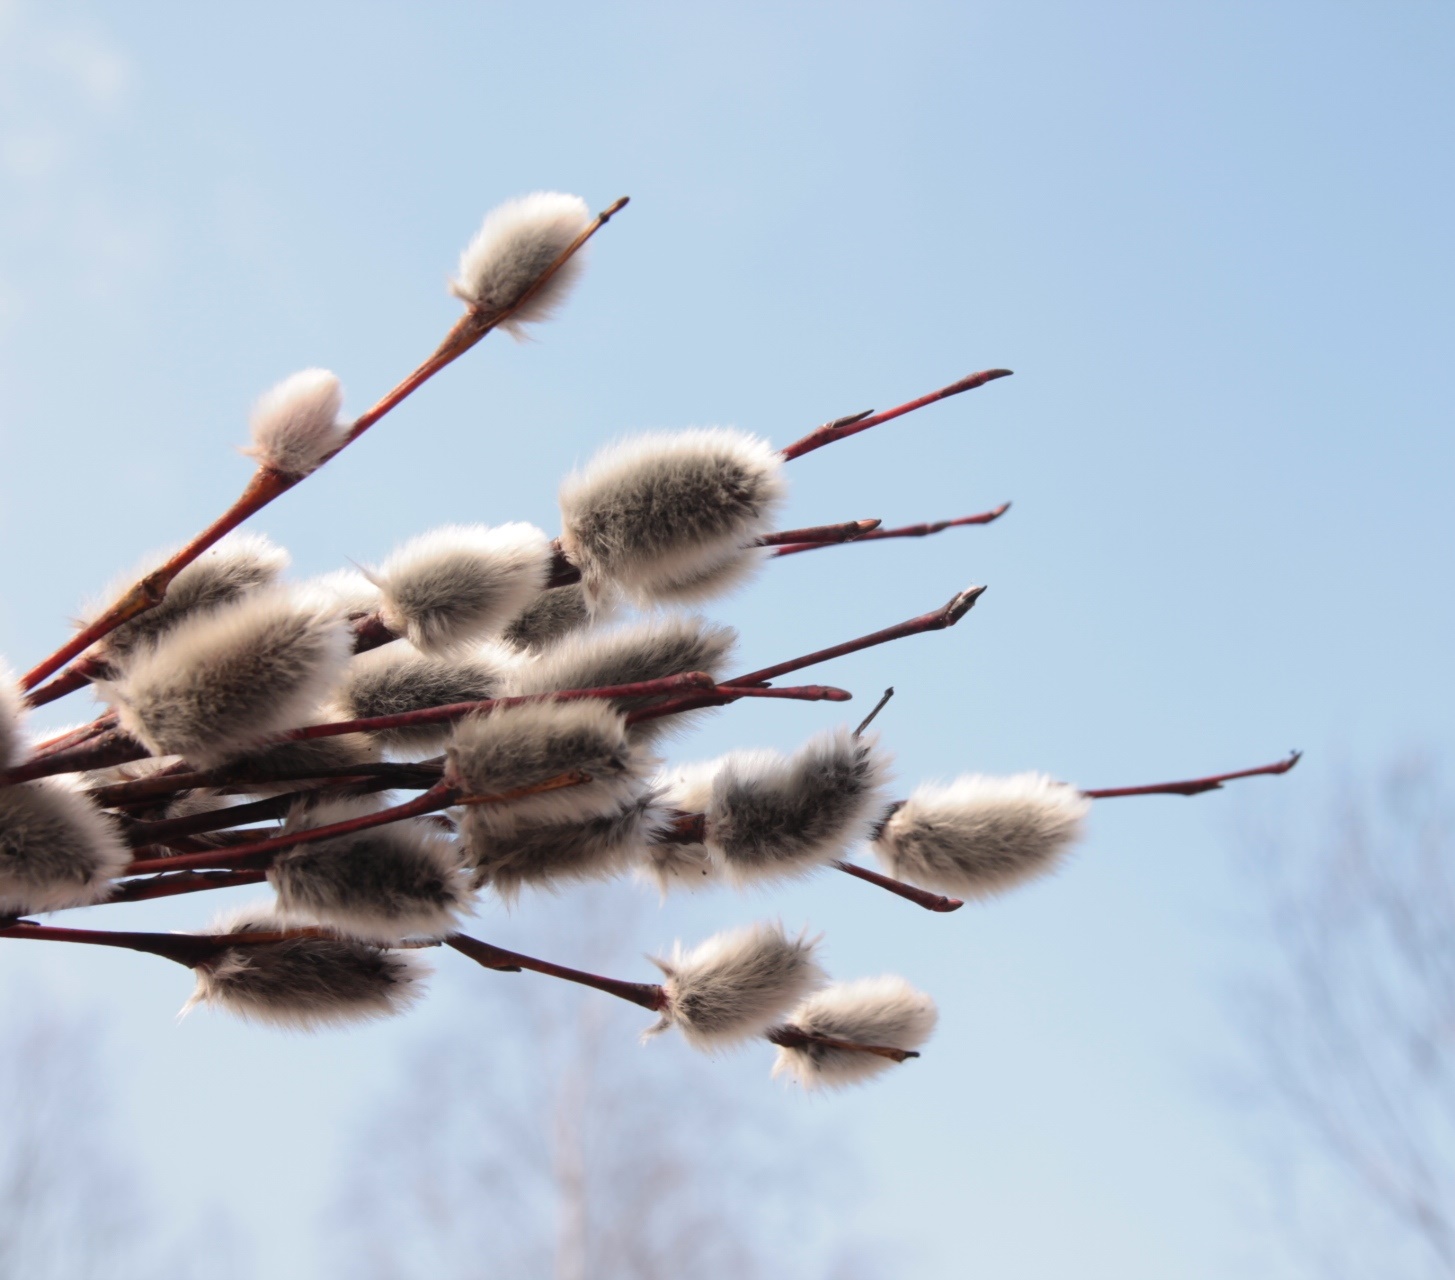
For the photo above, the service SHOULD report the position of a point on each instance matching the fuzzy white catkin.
(295, 426)
(515, 747)
(515, 245)
(397, 679)
(223, 682)
(771, 816)
(683, 789)
(57, 849)
(12, 720)
(237, 566)
(543, 855)
(462, 582)
(737, 984)
(381, 884)
(553, 614)
(648, 650)
(980, 835)
(308, 982)
(672, 517)
(884, 1011)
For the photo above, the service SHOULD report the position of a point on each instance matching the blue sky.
(1213, 242)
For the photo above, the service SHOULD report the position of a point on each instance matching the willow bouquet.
(516, 688)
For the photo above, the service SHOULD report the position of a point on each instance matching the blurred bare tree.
(1353, 1030)
(66, 1208)
(541, 1139)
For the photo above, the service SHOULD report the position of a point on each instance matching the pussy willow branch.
(843, 428)
(648, 995)
(790, 1037)
(116, 747)
(946, 616)
(1196, 786)
(190, 949)
(904, 531)
(443, 795)
(267, 484)
(371, 631)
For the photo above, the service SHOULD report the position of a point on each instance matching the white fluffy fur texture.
(647, 650)
(462, 582)
(397, 678)
(13, 744)
(226, 680)
(737, 984)
(276, 769)
(980, 835)
(771, 816)
(349, 589)
(553, 614)
(305, 983)
(238, 565)
(514, 747)
(543, 855)
(403, 880)
(884, 1011)
(685, 788)
(295, 425)
(57, 849)
(517, 242)
(672, 516)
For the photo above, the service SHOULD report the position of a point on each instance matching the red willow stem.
(191, 949)
(116, 747)
(267, 484)
(1196, 786)
(178, 882)
(947, 615)
(442, 795)
(649, 995)
(790, 1037)
(912, 893)
(821, 535)
(410, 776)
(904, 531)
(843, 428)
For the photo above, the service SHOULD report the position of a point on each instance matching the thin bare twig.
(267, 484)
(904, 531)
(843, 428)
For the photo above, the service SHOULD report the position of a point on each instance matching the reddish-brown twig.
(649, 995)
(190, 949)
(821, 535)
(178, 882)
(1195, 786)
(267, 484)
(904, 531)
(442, 795)
(920, 897)
(947, 615)
(843, 428)
(789, 1037)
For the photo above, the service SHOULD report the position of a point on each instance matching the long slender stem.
(920, 897)
(179, 882)
(1196, 786)
(821, 535)
(904, 531)
(649, 995)
(843, 428)
(267, 484)
(442, 795)
(790, 1037)
(947, 615)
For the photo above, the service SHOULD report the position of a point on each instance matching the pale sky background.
(1212, 240)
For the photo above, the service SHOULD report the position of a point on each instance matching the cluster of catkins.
(519, 788)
